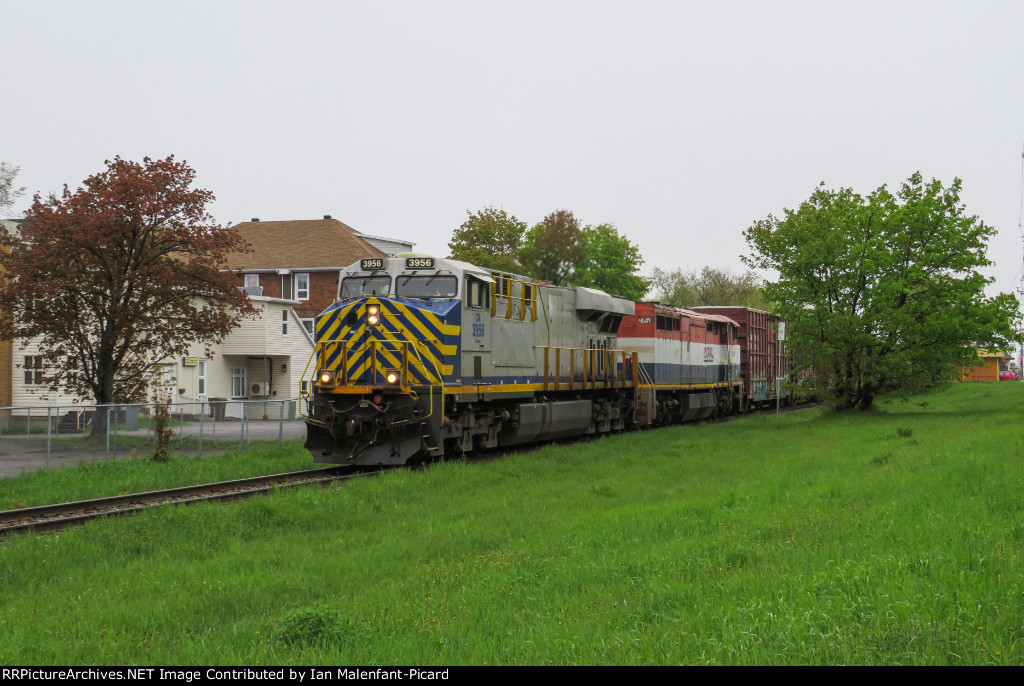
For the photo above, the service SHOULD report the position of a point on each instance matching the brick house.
(301, 259)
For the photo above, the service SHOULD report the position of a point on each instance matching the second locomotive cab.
(421, 357)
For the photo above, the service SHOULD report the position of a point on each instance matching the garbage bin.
(217, 407)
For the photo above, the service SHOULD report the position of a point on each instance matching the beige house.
(262, 359)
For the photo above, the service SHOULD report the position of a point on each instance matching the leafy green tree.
(490, 238)
(610, 263)
(8, 192)
(553, 249)
(709, 286)
(882, 294)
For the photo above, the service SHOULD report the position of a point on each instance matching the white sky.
(679, 122)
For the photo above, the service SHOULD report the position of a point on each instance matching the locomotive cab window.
(667, 323)
(478, 293)
(434, 286)
(359, 286)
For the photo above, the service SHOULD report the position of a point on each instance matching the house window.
(33, 370)
(302, 286)
(238, 382)
(284, 322)
(252, 280)
(202, 377)
(308, 324)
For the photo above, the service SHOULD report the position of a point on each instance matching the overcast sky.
(679, 122)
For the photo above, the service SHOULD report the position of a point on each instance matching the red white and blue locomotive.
(421, 357)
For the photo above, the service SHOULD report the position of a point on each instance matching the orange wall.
(987, 369)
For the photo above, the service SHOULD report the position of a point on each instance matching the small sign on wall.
(190, 362)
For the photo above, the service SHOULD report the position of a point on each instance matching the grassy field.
(891, 537)
(106, 478)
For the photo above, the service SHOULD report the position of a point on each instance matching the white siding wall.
(244, 347)
(23, 394)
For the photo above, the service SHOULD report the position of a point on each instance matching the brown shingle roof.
(300, 243)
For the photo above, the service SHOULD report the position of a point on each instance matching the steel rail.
(48, 518)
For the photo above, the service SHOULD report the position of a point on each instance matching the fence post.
(241, 436)
(48, 411)
(108, 432)
(280, 425)
(28, 422)
(202, 414)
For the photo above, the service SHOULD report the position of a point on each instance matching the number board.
(419, 262)
(372, 263)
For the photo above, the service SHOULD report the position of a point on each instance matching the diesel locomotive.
(422, 357)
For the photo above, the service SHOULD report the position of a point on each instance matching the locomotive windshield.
(357, 286)
(435, 286)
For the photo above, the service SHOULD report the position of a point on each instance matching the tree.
(118, 275)
(553, 249)
(610, 262)
(710, 286)
(882, 294)
(8, 192)
(490, 238)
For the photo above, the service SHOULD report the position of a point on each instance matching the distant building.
(7, 347)
(990, 364)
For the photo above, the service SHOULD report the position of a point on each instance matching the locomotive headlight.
(373, 315)
(326, 378)
(392, 377)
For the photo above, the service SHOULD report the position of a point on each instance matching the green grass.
(889, 537)
(100, 479)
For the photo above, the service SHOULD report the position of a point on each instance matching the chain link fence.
(52, 436)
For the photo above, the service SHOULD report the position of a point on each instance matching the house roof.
(300, 243)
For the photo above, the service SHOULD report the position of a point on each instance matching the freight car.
(764, 359)
(421, 357)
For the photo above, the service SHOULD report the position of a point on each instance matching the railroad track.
(50, 518)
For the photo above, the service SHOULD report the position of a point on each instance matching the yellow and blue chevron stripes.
(419, 337)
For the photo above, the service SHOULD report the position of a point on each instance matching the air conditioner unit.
(261, 389)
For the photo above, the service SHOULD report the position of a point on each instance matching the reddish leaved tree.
(122, 273)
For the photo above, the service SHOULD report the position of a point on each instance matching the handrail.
(594, 361)
(525, 302)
